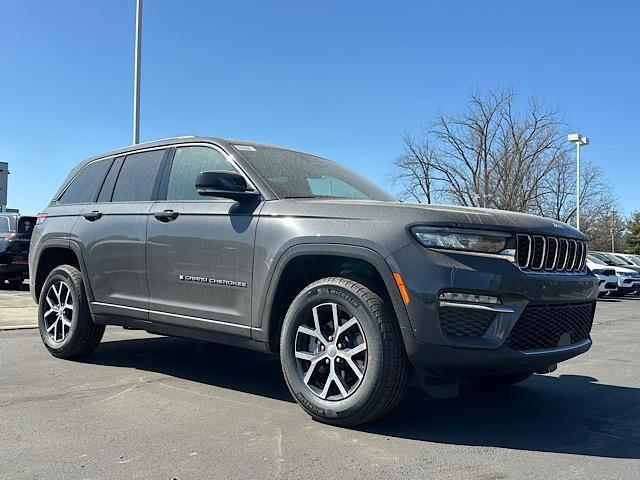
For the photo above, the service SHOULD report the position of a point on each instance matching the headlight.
(493, 243)
(627, 274)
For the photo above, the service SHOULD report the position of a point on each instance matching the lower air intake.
(542, 326)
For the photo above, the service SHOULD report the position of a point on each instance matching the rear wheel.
(64, 320)
(342, 354)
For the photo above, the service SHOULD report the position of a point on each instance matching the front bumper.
(607, 283)
(428, 273)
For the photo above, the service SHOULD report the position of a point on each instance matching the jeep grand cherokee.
(281, 251)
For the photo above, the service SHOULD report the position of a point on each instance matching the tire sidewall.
(56, 275)
(370, 385)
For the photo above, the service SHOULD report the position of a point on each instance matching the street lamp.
(137, 64)
(584, 141)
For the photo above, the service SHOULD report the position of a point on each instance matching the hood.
(624, 270)
(410, 214)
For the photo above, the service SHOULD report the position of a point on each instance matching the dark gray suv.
(281, 251)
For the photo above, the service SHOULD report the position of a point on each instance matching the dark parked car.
(281, 251)
(15, 235)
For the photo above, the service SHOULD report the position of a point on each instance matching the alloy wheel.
(58, 317)
(331, 352)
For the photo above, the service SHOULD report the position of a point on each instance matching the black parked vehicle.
(281, 251)
(15, 236)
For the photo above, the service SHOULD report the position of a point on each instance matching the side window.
(188, 162)
(84, 187)
(110, 181)
(138, 177)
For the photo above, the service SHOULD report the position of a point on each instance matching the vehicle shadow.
(570, 414)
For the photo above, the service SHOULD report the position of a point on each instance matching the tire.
(499, 381)
(74, 333)
(382, 362)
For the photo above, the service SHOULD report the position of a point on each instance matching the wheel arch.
(323, 260)
(54, 254)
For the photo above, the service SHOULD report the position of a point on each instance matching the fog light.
(468, 297)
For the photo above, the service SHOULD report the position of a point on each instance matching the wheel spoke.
(338, 381)
(327, 385)
(49, 312)
(66, 299)
(346, 326)
(65, 322)
(50, 302)
(336, 320)
(316, 320)
(309, 356)
(68, 306)
(57, 292)
(50, 327)
(312, 333)
(355, 350)
(353, 367)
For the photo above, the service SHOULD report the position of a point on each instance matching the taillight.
(41, 217)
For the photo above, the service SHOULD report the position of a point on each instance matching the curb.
(17, 327)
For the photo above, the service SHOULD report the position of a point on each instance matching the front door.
(200, 249)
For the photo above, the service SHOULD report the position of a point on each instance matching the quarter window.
(138, 177)
(84, 187)
(188, 162)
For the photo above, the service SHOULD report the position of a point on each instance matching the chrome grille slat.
(538, 253)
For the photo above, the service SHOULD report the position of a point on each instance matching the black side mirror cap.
(225, 184)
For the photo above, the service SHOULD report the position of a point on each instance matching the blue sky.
(343, 79)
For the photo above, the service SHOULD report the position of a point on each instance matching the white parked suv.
(607, 278)
(628, 280)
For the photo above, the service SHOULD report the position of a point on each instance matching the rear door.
(200, 249)
(112, 232)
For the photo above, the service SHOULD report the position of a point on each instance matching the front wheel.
(64, 320)
(342, 354)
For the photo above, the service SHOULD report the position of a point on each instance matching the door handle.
(92, 216)
(166, 215)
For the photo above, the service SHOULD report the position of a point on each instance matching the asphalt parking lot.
(145, 406)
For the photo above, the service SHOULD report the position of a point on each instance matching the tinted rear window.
(25, 225)
(138, 176)
(84, 187)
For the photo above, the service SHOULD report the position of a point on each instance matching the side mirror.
(226, 185)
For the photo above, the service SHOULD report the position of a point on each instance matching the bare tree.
(414, 171)
(490, 156)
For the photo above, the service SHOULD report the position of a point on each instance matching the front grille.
(610, 285)
(537, 253)
(542, 326)
(462, 322)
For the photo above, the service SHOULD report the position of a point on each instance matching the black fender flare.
(73, 246)
(262, 331)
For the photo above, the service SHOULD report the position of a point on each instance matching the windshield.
(298, 175)
(624, 260)
(635, 260)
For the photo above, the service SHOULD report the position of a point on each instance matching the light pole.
(584, 141)
(136, 74)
